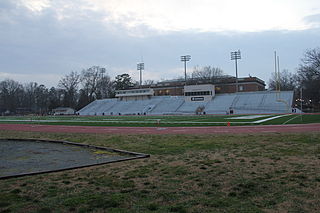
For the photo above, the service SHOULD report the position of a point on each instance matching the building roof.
(219, 80)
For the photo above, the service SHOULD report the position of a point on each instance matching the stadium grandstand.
(175, 98)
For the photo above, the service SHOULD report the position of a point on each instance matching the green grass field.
(266, 172)
(185, 173)
(207, 120)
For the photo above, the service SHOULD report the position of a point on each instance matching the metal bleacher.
(168, 104)
(189, 107)
(129, 107)
(241, 103)
(220, 104)
(264, 102)
(97, 107)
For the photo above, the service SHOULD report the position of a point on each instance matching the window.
(198, 93)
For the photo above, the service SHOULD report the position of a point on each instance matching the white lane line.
(248, 117)
(268, 119)
(291, 119)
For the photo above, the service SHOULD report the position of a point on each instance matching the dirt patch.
(26, 157)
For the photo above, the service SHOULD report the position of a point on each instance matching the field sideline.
(193, 120)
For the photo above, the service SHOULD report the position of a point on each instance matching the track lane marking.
(268, 119)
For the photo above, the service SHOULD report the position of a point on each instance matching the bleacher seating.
(98, 107)
(283, 101)
(241, 103)
(167, 104)
(190, 107)
(220, 104)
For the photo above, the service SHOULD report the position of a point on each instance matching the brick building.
(225, 84)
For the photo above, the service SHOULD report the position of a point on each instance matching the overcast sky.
(43, 40)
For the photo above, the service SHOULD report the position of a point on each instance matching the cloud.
(70, 35)
(49, 80)
(314, 20)
(135, 17)
(36, 5)
(208, 15)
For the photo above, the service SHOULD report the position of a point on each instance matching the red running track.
(165, 130)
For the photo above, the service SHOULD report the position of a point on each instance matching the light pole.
(235, 56)
(301, 104)
(184, 59)
(140, 67)
(103, 71)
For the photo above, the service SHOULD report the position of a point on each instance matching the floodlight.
(184, 59)
(235, 56)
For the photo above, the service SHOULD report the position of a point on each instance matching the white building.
(63, 111)
(134, 94)
(199, 93)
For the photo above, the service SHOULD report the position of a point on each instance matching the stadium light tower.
(235, 56)
(140, 67)
(103, 71)
(184, 59)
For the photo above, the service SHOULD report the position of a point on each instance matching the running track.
(165, 130)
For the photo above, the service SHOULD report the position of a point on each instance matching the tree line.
(74, 90)
(77, 89)
(305, 82)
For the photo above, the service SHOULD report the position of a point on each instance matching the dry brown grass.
(256, 173)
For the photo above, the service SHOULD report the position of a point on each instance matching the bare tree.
(309, 77)
(206, 73)
(30, 98)
(69, 83)
(9, 94)
(90, 79)
(286, 81)
(30, 102)
(105, 87)
(312, 59)
(56, 98)
(42, 99)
